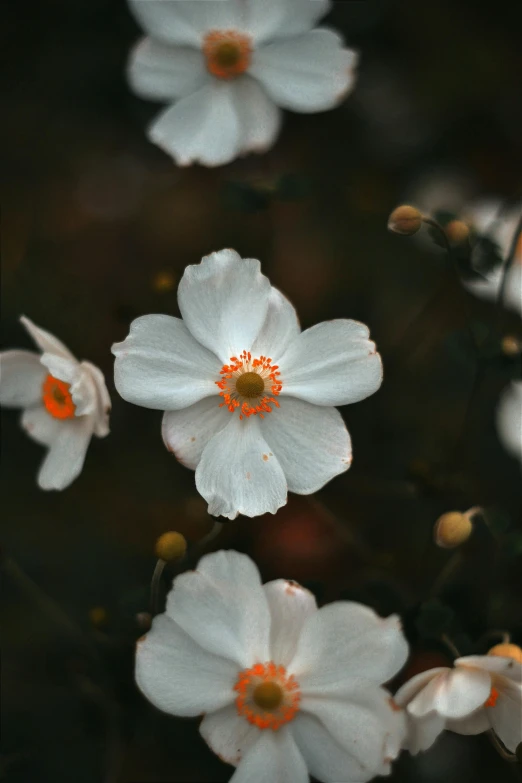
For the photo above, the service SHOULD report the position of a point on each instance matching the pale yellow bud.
(457, 232)
(452, 529)
(171, 546)
(511, 346)
(405, 220)
(507, 651)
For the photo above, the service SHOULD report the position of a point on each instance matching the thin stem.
(449, 644)
(451, 566)
(155, 586)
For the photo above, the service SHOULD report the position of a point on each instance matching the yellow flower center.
(249, 385)
(227, 53)
(268, 697)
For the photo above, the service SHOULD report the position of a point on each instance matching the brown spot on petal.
(192, 439)
(265, 457)
(248, 476)
(393, 704)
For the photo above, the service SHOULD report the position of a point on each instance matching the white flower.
(482, 692)
(248, 397)
(509, 418)
(226, 66)
(65, 402)
(286, 689)
(483, 216)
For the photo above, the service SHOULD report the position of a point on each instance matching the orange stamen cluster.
(492, 700)
(261, 674)
(227, 53)
(231, 389)
(57, 398)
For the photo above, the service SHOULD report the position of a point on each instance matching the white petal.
(179, 677)
(271, 19)
(422, 732)
(309, 73)
(164, 72)
(274, 758)
(259, 117)
(185, 22)
(349, 740)
(203, 127)
(160, 365)
(187, 432)
(509, 418)
(290, 605)
(21, 378)
(311, 443)
(410, 689)
(40, 425)
(506, 716)
(45, 340)
(103, 401)
(228, 734)
(224, 302)
(62, 367)
(345, 640)
(332, 363)
(222, 606)
(67, 451)
(475, 723)
(238, 474)
(496, 664)
(280, 328)
(453, 694)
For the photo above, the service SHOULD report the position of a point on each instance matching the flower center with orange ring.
(249, 385)
(57, 398)
(268, 697)
(227, 53)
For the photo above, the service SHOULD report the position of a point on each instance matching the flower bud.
(452, 529)
(457, 232)
(405, 220)
(171, 546)
(507, 651)
(510, 346)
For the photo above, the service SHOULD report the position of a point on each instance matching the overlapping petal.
(228, 734)
(160, 365)
(281, 327)
(506, 716)
(103, 401)
(163, 72)
(311, 443)
(177, 675)
(290, 605)
(40, 425)
(309, 73)
(332, 363)
(239, 474)
(186, 432)
(223, 607)
(422, 732)
(345, 640)
(224, 302)
(509, 418)
(66, 455)
(21, 378)
(272, 19)
(46, 341)
(453, 693)
(274, 757)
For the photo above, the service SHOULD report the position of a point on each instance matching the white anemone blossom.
(484, 217)
(509, 418)
(65, 403)
(481, 692)
(286, 689)
(248, 397)
(226, 66)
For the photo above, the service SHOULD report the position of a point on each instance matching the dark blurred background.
(98, 226)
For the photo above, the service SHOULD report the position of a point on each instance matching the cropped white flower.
(65, 402)
(226, 66)
(482, 692)
(248, 397)
(483, 217)
(286, 689)
(509, 418)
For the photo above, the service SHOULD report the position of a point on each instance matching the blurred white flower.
(248, 397)
(483, 216)
(481, 692)
(286, 689)
(65, 403)
(509, 418)
(226, 66)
